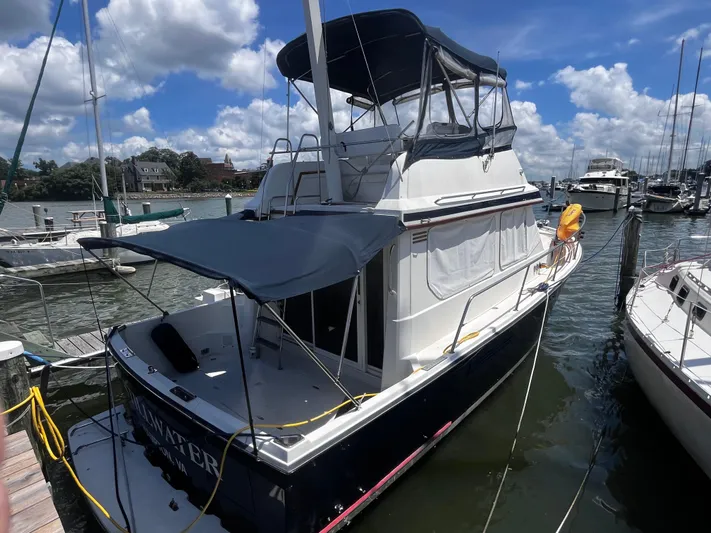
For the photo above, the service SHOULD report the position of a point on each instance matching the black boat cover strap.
(174, 348)
(269, 260)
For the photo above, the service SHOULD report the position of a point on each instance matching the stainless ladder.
(258, 340)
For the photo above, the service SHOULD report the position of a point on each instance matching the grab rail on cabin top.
(513, 271)
(463, 197)
(299, 149)
(44, 301)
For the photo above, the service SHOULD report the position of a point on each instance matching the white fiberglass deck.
(662, 322)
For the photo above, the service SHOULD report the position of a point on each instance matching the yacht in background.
(596, 190)
(671, 198)
(668, 344)
(380, 324)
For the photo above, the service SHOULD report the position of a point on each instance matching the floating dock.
(78, 348)
(31, 505)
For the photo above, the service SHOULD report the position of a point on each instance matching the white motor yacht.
(597, 190)
(379, 290)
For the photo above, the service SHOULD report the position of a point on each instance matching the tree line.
(48, 181)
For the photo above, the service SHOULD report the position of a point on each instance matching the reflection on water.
(643, 480)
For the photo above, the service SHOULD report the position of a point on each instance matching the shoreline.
(185, 195)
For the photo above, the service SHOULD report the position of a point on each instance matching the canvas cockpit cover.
(269, 260)
(392, 41)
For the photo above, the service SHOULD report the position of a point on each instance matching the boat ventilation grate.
(419, 236)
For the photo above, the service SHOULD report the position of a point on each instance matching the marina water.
(643, 479)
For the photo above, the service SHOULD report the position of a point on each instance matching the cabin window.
(683, 293)
(460, 254)
(699, 311)
(673, 283)
(515, 244)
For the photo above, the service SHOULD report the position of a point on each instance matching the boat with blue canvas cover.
(395, 277)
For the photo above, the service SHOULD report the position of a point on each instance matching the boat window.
(683, 293)
(673, 283)
(460, 254)
(699, 311)
(331, 312)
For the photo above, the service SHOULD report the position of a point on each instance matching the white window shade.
(460, 255)
(517, 236)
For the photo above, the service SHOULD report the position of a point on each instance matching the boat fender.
(569, 222)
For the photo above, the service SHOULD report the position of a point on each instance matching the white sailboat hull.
(68, 249)
(689, 424)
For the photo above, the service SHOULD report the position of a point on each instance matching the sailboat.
(669, 197)
(668, 343)
(378, 291)
(19, 252)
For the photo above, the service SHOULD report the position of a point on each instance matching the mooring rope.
(520, 418)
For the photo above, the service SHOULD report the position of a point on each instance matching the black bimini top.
(393, 41)
(269, 260)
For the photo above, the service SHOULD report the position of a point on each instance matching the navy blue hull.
(325, 493)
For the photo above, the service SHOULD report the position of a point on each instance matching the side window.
(683, 293)
(460, 254)
(699, 311)
(673, 283)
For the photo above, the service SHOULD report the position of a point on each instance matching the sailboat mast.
(95, 99)
(691, 118)
(319, 74)
(676, 106)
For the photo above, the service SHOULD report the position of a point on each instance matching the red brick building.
(219, 171)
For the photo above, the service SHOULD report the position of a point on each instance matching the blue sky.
(595, 73)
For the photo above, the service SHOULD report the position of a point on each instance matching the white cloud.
(689, 35)
(523, 85)
(657, 14)
(139, 120)
(633, 41)
(19, 18)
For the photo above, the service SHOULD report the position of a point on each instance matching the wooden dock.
(59, 268)
(31, 505)
(78, 348)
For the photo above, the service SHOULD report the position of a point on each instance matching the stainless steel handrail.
(266, 177)
(293, 168)
(471, 195)
(44, 301)
(496, 281)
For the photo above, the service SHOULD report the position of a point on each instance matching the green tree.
(4, 167)
(45, 167)
(190, 169)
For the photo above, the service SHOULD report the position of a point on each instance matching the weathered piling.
(629, 197)
(630, 249)
(551, 193)
(15, 387)
(615, 206)
(699, 186)
(108, 231)
(49, 224)
(644, 185)
(146, 208)
(37, 213)
(228, 204)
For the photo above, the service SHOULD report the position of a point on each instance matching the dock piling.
(37, 213)
(551, 193)
(699, 185)
(49, 224)
(228, 204)
(629, 197)
(630, 250)
(146, 208)
(615, 206)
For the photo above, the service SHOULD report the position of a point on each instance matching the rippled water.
(643, 479)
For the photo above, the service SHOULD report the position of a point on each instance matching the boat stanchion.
(630, 248)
